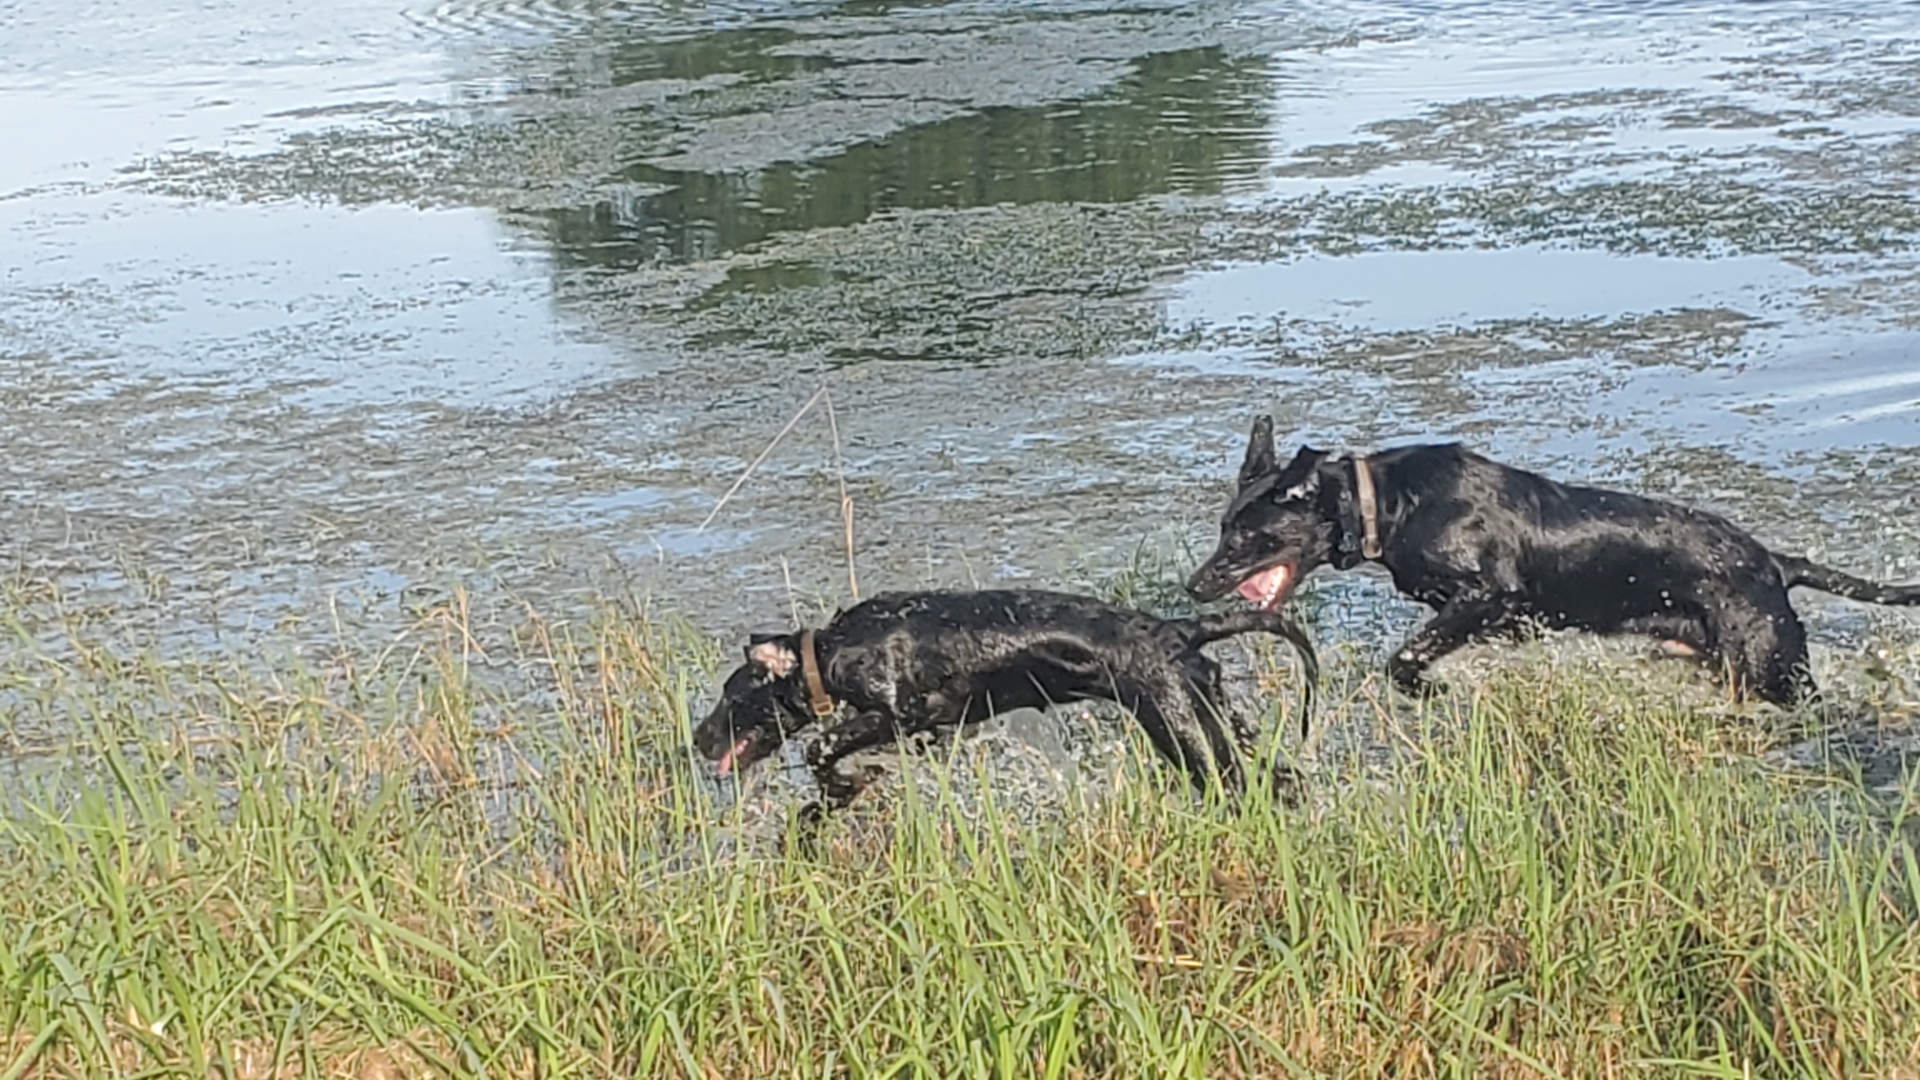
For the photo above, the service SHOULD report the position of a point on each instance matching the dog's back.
(1582, 555)
(1016, 642)
(999, 620)
(990, 619)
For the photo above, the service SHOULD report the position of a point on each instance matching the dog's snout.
(1203, 585)
(710, 735)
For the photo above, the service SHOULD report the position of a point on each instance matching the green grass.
(372, 868)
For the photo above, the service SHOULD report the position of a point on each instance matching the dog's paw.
(1407, 670)
(1415, 683)
(844, 781)
(1288, 786)
(808, 819)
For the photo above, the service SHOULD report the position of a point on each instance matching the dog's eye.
(1294, 493)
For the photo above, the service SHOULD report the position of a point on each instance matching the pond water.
(310, 314)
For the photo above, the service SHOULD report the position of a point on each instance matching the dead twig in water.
(846, 501)
(804, 410)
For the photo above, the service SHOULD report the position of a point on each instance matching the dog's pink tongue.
(725, 764)
(1267, 589)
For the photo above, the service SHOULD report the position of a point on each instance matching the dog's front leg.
(1464, 620)
(862, 731)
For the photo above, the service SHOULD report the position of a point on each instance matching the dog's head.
(1274, 532)
(761, 703)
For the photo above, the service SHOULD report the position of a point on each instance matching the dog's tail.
(1826, 579)
(1225, 624)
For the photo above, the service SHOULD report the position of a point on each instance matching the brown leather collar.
(1369, 508)
(817, 697)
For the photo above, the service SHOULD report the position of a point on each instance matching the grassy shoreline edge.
(377, 870)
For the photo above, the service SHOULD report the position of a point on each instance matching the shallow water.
(312, 314)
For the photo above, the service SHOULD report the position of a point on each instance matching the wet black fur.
(933, 662)
(1494, 549)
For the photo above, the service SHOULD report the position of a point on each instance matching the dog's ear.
(773, 654)
(1301, 477)
(1260, 454)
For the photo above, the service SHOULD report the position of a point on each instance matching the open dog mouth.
(745, 751)
(740, 753)
(1268, 590)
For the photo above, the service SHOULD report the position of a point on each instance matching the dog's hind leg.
(1284, 781)
(1208, 694)
(1207, 690)
(1183, 729)
(1463, 621)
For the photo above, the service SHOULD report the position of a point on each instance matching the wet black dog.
(1494, 550)
(934, 662)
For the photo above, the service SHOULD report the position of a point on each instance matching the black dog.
(1493, 549)
(907, 663)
